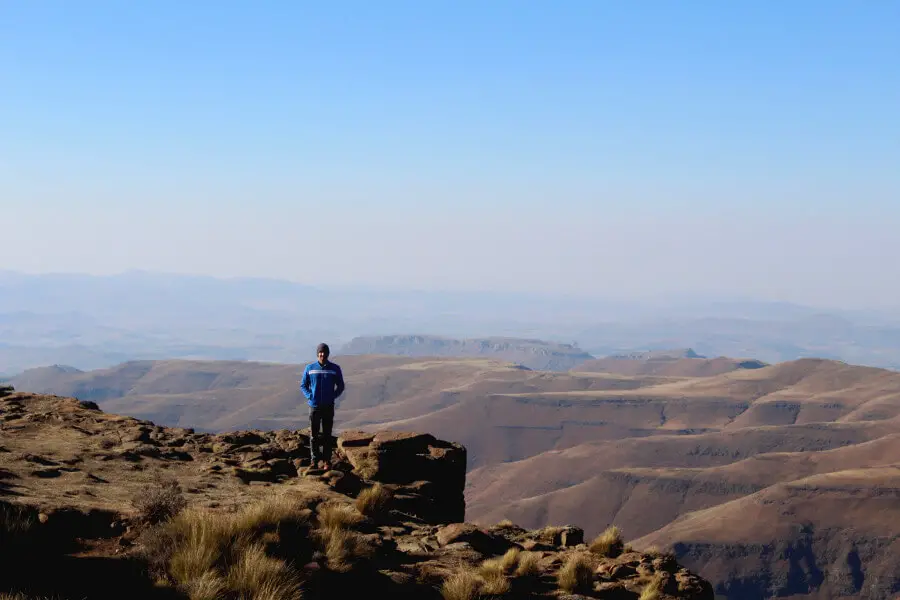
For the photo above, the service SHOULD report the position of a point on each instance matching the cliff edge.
(96, 505)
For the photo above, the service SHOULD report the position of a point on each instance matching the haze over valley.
(90, 322)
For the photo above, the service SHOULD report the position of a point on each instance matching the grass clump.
(343, 547)
(462, 585)
(653, 590)
(211, 555)
(160, 502)
(374, 501)
(608, 544)
(528, 565)
(495, 572)
(576, 574)
(338, 516)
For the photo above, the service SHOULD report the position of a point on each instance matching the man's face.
(322, 356)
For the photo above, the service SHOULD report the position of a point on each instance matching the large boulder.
(432, 472)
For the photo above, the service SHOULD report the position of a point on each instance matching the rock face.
(432, 471)
(95, 499)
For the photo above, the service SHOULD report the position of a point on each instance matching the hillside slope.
(668, 367)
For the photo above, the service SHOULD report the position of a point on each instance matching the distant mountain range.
(530, 353)
(93, 322)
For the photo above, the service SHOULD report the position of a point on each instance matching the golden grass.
(373, 501)
(257, 575)
(273, 511)
(462, 585)
(529, 564)
(506, 523)
(608, 544)
(343, 547)
(576, 574)
(338, 516)
(367, 466)
(210, 555)
(493, 576)
(654, 588)
(494, 582)
(510, 560)
(209, 586)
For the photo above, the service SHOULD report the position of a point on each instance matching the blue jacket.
(322, 384)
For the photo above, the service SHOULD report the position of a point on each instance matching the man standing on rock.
(322, 384)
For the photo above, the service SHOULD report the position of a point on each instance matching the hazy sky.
(611, 148)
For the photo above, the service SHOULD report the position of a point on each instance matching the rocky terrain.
(674, 461)
(96, 505)
(534, 354)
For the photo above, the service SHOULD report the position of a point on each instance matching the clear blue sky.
(611, 148)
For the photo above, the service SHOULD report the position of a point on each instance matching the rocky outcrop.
(430, 474)
(96, 498)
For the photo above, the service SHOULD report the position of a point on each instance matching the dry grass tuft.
(576, 574)
(609, 543)
(212, 555)
(505, 523)
(343, 548)
(510, 560)
(273, 511)
(654, 588)
(256, 574)
(493, 573)
(374, 501)
(161, 501)
(367, 467)
(209, 586)
(529, 564)
(494, 583)
(338, 516)
(462, 585)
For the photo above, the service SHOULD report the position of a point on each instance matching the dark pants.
(321, 420)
